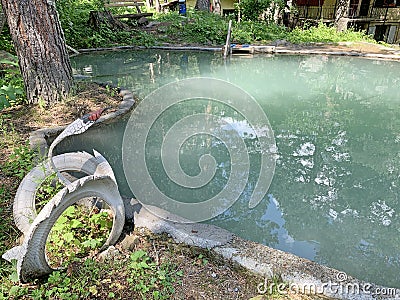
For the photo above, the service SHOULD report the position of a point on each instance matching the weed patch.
(325, 33)
(76, 233)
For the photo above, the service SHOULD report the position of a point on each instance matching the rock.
(152, 23)
(109, 253)
(129, 242)
(143, 21)
(281, 43)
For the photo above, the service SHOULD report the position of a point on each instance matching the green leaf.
(92, 243)
(76, 224)
(4, 102)
(14, 290)
(13, 277)
(68, 237)
(138, 254)
(8, 62)
(69, 212)
(61, 220)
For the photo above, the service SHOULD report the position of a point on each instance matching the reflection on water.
(335, 194)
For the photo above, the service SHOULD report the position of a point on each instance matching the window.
(386, 3)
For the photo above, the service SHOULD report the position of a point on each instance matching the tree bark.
(98, 18)
(216, 7)
(2, 19)
(158, 7)
(341, 15)
(39, 42)
(203, 5)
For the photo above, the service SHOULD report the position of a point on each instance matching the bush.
(11, 83)
(250, 32)
(324, 33)
(197, 27)
(252, 10)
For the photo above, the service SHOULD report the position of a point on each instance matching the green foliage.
(197, 27)
(6, 43)
(250, 32)
(211, 29)
(74, 17)
(149, 279)
(325, 33)
(194, 28)
(49, 187)
(75, 233)
(11, 83)
(254, 10)
(9, 95)
(78, 285)
(20, 161)
(204, 28)
(201, 260)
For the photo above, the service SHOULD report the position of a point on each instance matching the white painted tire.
(24, 207)
(31, 256)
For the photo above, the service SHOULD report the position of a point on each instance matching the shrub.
(249, 32)
(11, 83)
(252, 10)
(325, 33)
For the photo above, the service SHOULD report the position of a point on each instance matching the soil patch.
(88, 97)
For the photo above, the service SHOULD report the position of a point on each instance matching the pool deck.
(366, 50)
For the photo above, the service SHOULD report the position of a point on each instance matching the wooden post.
(228, 40)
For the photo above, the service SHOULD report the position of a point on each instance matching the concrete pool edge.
(268, 49)
(302, 275)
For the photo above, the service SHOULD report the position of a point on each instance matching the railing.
(379, 13)
(355, 13)
(364, 11)
(316, 12)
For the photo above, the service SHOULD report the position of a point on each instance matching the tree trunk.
(158, 7)
(341, 19)
(99, 18)
(2, 19)
(216, 7)
(203, 5)
(39, 42)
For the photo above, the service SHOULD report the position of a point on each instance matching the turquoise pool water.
(335, 193)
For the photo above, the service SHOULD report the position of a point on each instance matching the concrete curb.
(337, 53)
(303, 275)
(269, 49)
